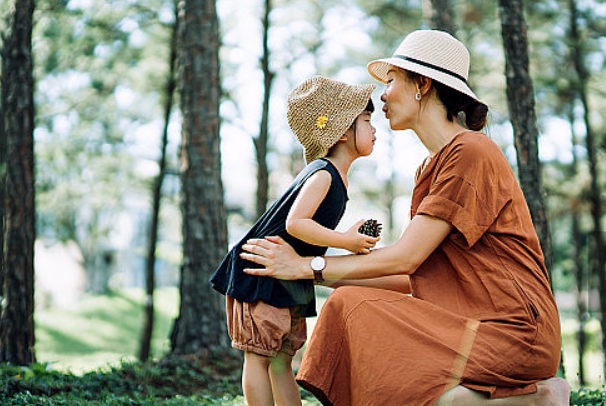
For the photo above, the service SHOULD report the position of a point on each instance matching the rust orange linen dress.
(481, 313)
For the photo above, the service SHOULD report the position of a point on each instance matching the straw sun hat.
(320, 110)
(431, 53)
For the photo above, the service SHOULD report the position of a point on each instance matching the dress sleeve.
(470, 187)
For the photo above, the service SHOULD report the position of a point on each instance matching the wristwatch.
(317, 265)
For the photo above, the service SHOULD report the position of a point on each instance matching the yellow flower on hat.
(321, 122)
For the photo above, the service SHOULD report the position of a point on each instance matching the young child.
(266, 316)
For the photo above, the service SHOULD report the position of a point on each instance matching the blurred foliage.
(588, 397)
(100, 68)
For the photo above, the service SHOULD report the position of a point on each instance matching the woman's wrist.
(317, 265)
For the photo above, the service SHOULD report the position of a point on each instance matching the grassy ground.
(593, 358)
(98, 341)
(173, 382)
(103, 332)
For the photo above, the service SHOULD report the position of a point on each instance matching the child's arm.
(299, 222)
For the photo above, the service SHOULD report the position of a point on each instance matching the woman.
(461, 312)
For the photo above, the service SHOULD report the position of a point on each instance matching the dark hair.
(455, 102)
(370, 107)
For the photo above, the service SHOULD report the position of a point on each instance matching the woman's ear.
(424, 84)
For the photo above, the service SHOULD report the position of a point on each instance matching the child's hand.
(359, 243)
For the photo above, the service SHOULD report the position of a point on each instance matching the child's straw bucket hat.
(320, 110)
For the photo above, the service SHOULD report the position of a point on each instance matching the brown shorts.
(264, 329)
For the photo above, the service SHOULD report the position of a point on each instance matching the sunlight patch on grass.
(103, 330)
(593, 356)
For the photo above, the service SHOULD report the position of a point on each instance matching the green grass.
(174, 382)
(103, 330)
(593, 356)
(87, 356)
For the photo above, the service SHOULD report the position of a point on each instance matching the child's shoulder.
(318, 165)
(321, 170)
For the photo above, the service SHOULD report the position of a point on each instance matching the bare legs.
(269, 379)
(286, 390)
(550, 392)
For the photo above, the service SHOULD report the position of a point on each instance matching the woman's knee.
(346, 294)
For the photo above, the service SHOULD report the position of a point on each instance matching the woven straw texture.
(320, 110)
(430, 47)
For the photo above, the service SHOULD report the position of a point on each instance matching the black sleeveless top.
(229, 278)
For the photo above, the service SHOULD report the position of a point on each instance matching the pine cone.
(371, 228)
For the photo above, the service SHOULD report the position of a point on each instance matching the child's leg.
(258, 328)
(247, 326)
(285, 389)
(256, 382)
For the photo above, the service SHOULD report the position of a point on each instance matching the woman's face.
(400, 106)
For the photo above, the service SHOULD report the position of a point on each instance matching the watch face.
(318, 263)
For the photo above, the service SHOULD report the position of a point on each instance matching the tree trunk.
(3, 185)
(581, 294)
(595, 199)
(19, 233)
(520, 100)
(441, 16)
(150, 283)
(577, 245)
(261, 141)
(200, 326)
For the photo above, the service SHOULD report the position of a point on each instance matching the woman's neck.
(433, 128)
(435, 134)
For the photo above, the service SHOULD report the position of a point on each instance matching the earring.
(418, 96)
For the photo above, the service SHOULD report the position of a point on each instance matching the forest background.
(112, 166)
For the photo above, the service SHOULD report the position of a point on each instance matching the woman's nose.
(383, 97)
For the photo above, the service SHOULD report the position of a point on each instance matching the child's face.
(364, 134)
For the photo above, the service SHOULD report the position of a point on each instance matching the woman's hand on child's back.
(358, 243)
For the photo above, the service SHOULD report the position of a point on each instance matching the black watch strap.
(317, 266)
